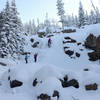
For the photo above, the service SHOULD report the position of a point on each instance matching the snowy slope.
(53, 64)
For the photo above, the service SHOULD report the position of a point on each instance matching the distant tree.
(61, 12)
(92, 18)
(81, 15)
(86, 18)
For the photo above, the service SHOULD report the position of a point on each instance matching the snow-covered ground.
(52, 64)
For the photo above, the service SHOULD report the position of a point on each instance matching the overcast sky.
(33, 9)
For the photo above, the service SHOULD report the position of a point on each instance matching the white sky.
(33, 9)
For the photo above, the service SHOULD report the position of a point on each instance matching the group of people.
(35, 57)
(36, 54)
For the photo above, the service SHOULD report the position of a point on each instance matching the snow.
(52, 64)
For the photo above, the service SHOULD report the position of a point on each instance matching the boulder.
(86, 69)
(73, 83)
(77, 54)
(44, 97)
(67, 38)
(91, 86)
(90, 42)
(3, 64)
(35, 82)
(15, 83)
(93, 56)
(65, 83)
(69, 31)
(32, 40)
(56, 94)
(79, 43)
(35, 45)
(69, 52)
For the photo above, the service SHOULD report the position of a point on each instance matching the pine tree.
(61, 12)
(18, 41)
(81, 15)
(92, 18)
(11, 32)
(5, 31)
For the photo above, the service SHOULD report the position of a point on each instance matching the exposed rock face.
(35, 45)
(91, 86)
(69, 52)
(44, 97)
(93, 43)
(90, 42)
(93, 56)
(15, 83)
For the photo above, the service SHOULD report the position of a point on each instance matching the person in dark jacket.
(35, 57)
(49, 42)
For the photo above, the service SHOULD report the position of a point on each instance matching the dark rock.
(35, 82)
(15, 83)
(77, 54)
(90, 42)
(86, 69)
(67, 38)
(44, 97)
(79, 43)
(49, 36)
(69, 41)
(73, 41)
(32, 40)
(69, 31)
(56, 94)
(41, 34)
(65, 78)
(98, 43)
(3, 64)
(69, 52)
(35, 45)
(8, 78)
(91, 86)
(69, 83)
(66, 48)
(81, 49)
(73, 83)
(93, 56)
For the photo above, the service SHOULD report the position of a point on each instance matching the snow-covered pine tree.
(76, 21)
(86, 18)
(81, 15)
(97, 15)
(5, 30)
(61, 12)
(17, 31)
(11, 32)
(92, 18)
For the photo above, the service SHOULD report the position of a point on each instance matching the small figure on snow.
(49, 42)
(26, 58)
(35, 57)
